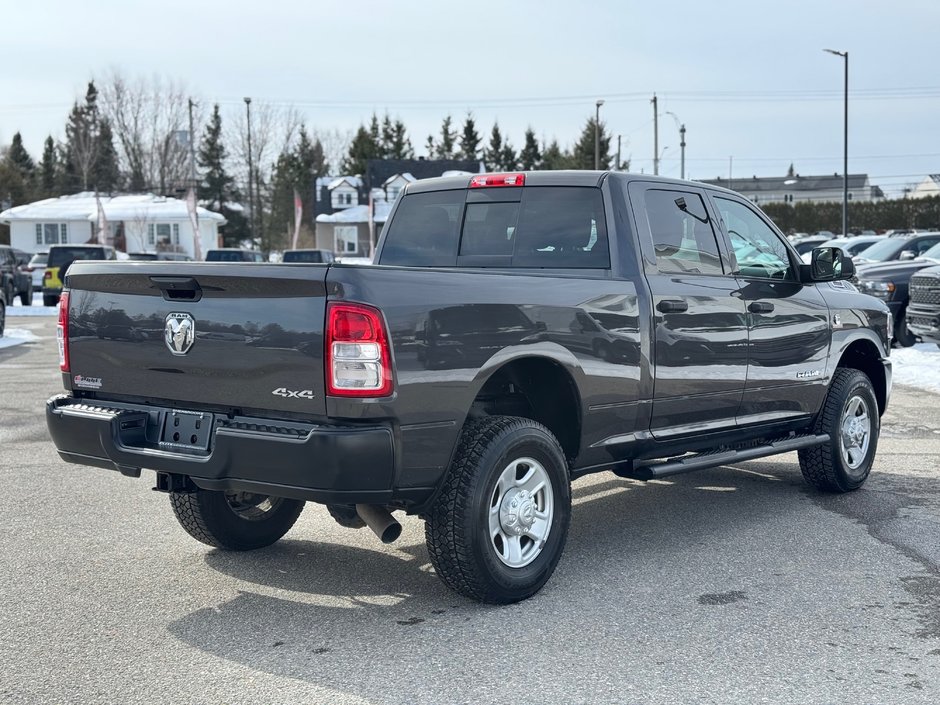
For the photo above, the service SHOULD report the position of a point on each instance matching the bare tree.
(335, 145)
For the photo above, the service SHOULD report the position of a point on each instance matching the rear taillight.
(491, 180)
(47, 275)
(62, 332)
(358, 358)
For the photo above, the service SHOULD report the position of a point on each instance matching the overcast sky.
(748, 79)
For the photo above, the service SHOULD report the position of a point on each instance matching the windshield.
(884, 250)
(933, 253)
(60, 255)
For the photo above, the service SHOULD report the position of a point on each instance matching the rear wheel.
(498, 527)
(850, 417)
(50, 300)
(3, 318)
(235, 521)
(26, 297)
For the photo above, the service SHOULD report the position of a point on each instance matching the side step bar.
(655, 469)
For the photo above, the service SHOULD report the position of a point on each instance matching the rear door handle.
(672, 306)
(760, 307)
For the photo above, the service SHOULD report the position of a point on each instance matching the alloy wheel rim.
(855, 432)
(521, 508)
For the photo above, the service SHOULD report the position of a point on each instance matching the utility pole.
(730, 179)
(597, 134)
(845, 142)
(251, 202)
(618, 152)
(192, 147)
(655, 136)
(682, 147)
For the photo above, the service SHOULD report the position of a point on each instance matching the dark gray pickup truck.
(518, 331)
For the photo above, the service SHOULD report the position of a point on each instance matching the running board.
(655, 469)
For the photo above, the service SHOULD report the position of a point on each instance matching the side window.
(423, 231)
(758, 249)
(682, 233)
(925, 245)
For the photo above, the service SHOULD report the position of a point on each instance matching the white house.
(930, 186)
(135, 223)
(395, 183)
(346, 232)
(344, 192)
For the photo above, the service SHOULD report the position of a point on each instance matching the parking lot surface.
(737, 584)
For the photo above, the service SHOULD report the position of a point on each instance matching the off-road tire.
(456, 529)
(823, 466)
(208, 517)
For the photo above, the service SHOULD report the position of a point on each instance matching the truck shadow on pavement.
(363, 622)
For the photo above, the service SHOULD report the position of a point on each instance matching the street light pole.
(597, 134)
(845, 142)
(655, 136)
(681, 127)
(251, 202)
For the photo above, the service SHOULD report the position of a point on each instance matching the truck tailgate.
(256, 338)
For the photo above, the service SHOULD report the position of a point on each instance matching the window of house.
(51, 233)
(683, 238)
(760, 252)
(346, 239)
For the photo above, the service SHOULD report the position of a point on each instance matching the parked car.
(898, 247)
(852, 246)
(36, 268)
(159, 257)
(309, 256)
(890, 282)
(808, 243)
(923, 310)
(520, 330)
(60, 259)
(233, 254)
(14, 279)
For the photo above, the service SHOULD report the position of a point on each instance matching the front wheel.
(235, 521)
(498, 527)
(902, 336)
(850, 417)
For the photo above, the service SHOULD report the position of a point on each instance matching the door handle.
(760, 307)
(672, 306)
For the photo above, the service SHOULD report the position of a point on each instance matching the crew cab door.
(699, 320)
(788, 321)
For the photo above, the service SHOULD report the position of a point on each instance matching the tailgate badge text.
(179, 332)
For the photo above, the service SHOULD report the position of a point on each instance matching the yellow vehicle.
(60, 258)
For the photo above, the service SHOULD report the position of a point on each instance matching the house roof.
(358, 214)
(407, 176)
(83, 206)
(353, 181)
(790, 183)
(380, 170)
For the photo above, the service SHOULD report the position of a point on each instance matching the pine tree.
(388, 137)
(582, 154)
(493, 155)
(363, 148)
(19, 162)
(106, 174)
(215, 185)
(508, 161)
(48, 169)
(375, 133)
(400, 145)
(81, 142)
(530, 156)
(429, 146)
(554, 158)
(445, 147)
(469, 139)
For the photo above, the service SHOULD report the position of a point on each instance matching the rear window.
(60, 255)
(536, 226)
(39, 259)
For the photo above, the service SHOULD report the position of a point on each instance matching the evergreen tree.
(400, 147)
(582, 154)
(215, 186)
(21, 171)
(106, 174)
(445, 147)
(493, 155)
(388, 136)
(81, 142)
(554, 158)
(19, 157)
(429, 146)
(530, 156)
(48, 170)
(375, 133)
(365, 146)
(508, 161)
(469, 139)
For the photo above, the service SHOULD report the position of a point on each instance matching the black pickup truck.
(518, 331)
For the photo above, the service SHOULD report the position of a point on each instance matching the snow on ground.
(917, 366)
(17, 336)
(37, 309)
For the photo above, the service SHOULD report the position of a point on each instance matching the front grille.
(925, 289)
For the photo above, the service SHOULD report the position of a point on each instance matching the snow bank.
(918, 366)
(17, 336)
(37, 309)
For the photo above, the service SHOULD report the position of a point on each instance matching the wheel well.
(863, 355)
(537, 389)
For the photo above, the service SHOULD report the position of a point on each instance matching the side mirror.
(828, 264)
(907, 254)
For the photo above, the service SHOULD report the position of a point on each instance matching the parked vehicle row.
(923, 311)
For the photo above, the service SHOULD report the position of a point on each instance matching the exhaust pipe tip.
(380, 520)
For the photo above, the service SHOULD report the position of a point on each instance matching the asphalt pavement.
(733, 585)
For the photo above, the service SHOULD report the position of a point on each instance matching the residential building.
(929, 186)
(794, 188)
(135, 223)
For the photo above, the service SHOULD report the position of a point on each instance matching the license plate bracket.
(189, 430)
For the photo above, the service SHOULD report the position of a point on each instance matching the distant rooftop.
(84, 206)
(789, 183)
